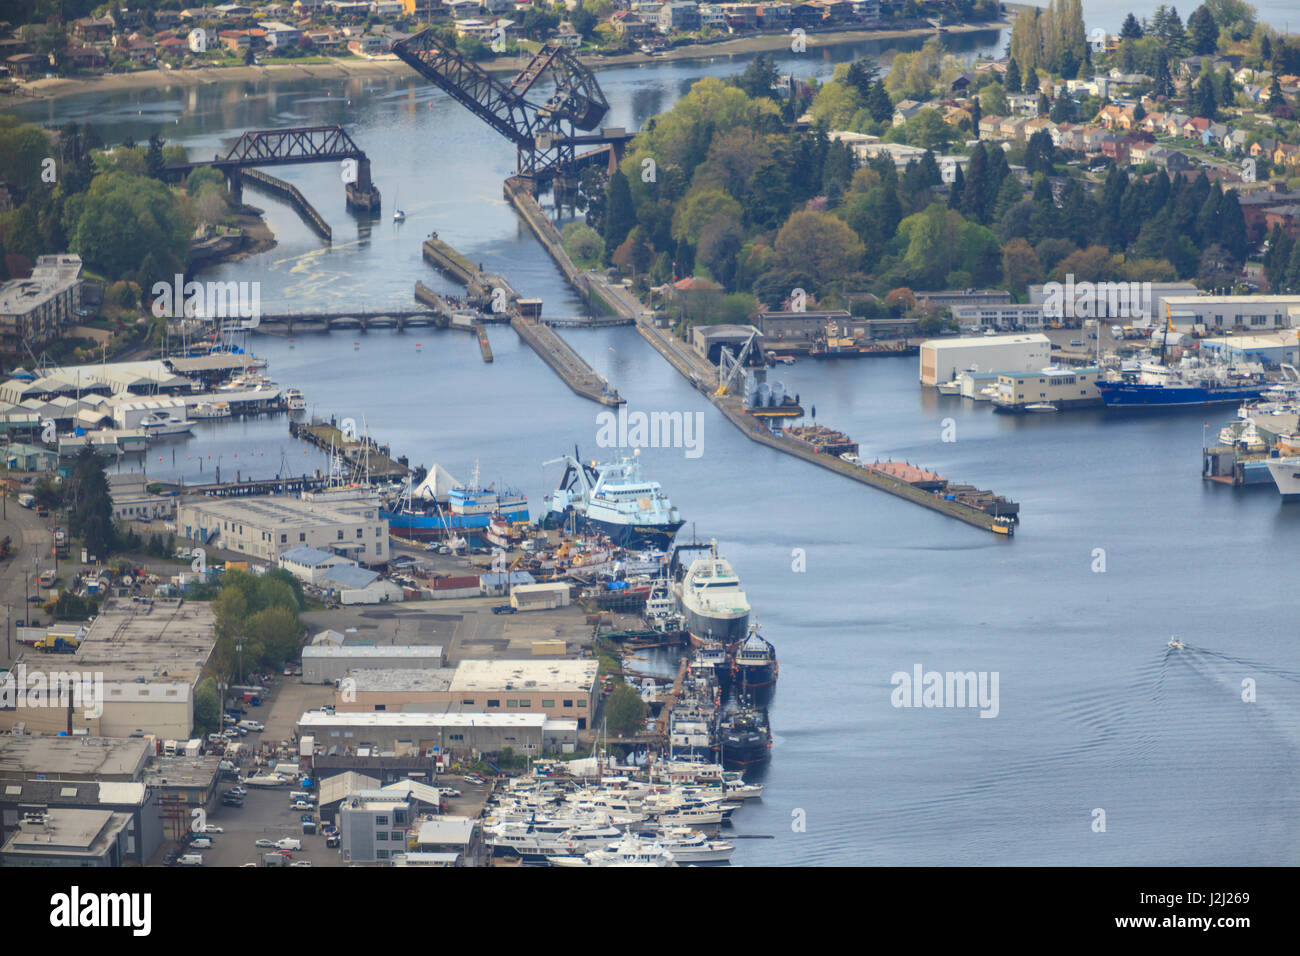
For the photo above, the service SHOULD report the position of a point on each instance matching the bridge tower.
(363, 194)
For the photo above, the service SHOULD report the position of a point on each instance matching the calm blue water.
(1095, 711)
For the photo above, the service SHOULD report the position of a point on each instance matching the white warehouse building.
(942, 360)
(266, 526)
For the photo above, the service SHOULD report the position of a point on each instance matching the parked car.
(503, 609)
(301, 805)
(301, 863)
(201, 843)
(333, 840)
(236, 802)
(264, 842)
(237, 792)
(288, 843)
(213, 828)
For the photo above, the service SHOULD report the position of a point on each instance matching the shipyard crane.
(729, 367)
(546, 133)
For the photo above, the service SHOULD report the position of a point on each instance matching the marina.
(884, 585)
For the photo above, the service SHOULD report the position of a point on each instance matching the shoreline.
(46, 90)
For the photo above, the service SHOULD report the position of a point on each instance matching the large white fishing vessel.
(1286, 475)
(710, 597)
(614, 500)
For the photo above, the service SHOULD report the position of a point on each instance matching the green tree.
(624, 710)
(90, 507)
(207, 707)
(1203, 30)
(818, 245)
(1012, 80)
(124, 220)
(620, 213)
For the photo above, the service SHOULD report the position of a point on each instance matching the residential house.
(1025, 104)
(1286, 218)
(93, 29)
(368, 44)
(679, 16)
(1286, 155)
(904, 110)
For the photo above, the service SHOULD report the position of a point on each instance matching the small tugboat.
(755, 661)
(744, 738)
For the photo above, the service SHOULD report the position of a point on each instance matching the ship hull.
(634, 536)
(1125, 396)
(412, 525)
(1286, 475)
(728, 630)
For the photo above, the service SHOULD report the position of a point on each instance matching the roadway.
(31, 550)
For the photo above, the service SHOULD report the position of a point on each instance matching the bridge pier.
(235, 183)
(363, 194)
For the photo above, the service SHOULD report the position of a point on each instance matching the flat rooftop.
(100, 758)
(370, 651)
(560, 676)
(279, 511)
(162, 641)
(70, 832)
(181, 771)
(315, 721)
(404, 680)
(970, 341)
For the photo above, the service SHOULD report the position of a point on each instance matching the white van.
(301, 795)
(288, 843)
(190, 859)
(253, 726)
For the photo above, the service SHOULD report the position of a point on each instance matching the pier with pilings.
(290, 194)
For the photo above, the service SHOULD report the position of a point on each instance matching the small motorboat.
(1176, 644)
(399, 216)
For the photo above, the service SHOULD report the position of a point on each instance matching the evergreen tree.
(1030, 84)
(1203, 30)
(956, 189)
(1205, 103)
(1265, 49)
(1232, 227)
(863, 74)
(90, 509)
(154, 164)
(620, 212)
(1012, 81)
(977, 184)
(1164, 83)
(879, 105)
(976, 114)
(1275, 96)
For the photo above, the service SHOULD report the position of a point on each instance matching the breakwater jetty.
(496, 299)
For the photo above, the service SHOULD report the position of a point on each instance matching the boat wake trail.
(1272, 693)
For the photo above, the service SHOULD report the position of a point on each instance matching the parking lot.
(265, 814)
